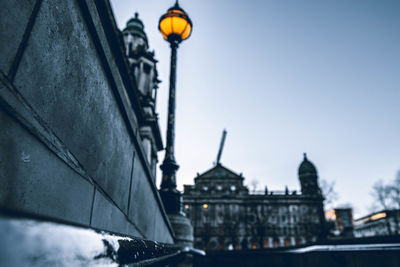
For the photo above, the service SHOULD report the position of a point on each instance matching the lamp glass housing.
(175, 23)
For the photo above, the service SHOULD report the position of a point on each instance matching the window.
(146, 68)
(286, 242)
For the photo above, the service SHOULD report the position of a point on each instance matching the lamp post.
(175, 26)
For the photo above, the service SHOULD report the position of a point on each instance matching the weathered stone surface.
(142, 206)
(14, 17)
(162, 233)
(144, 210)
(108, 217)
(61, 76)
(34, 180)
(80, 137)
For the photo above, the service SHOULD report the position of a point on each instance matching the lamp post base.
(183, 229)
(181, 225)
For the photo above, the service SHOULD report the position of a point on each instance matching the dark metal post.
(168, 192)
(170, 196)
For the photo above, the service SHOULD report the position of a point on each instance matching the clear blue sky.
(284, 77)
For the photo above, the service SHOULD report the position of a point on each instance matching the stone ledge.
(34, 242)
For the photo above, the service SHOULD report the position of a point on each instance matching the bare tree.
(387, 195)
(394, 189)
(328, 191)
(380, 193)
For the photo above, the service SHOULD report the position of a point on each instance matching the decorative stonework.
(225, 216)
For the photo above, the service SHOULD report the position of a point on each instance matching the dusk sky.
(284, 77)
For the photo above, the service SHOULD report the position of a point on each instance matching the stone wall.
(70, 147)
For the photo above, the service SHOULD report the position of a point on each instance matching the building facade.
(144, 68)
(341, 222)
(382, 223)
(226, 216)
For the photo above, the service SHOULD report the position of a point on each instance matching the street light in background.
(175, 26)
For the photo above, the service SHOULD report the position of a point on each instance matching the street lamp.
(175, 26)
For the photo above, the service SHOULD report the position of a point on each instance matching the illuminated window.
(205, 206)
(286, 243)
(253, 245)
(186, 206)
(219, 187)
(265, 244)
(377, 216)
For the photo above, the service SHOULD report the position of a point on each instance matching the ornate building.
(226, 216)
(144, 68)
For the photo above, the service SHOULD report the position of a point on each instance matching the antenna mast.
(221, 146)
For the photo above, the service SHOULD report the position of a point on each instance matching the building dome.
(306, 167)
(135, 27)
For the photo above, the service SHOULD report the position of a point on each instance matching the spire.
(305, 155)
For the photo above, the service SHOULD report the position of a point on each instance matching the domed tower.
(308, 177)
(144, 67)
(142, 62)
(134, 36)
